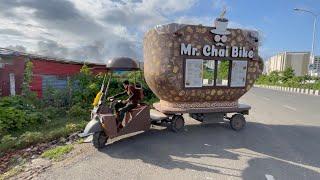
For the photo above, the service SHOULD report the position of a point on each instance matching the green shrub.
(71, 127)
(34, 120)
(29, 138)
(12, 119)
(55, 97)
(54, 112)
(287, 78)
(57, 133)
(16, 114)
(84, 86)
(7, 142)
(78, 111)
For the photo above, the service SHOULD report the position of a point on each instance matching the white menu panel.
(238, 73)
(193, 73)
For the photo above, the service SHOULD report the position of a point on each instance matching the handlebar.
(113, 100)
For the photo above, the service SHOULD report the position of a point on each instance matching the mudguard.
(93, 126)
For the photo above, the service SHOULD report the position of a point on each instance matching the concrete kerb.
(306, 91)
(290, 89)
(311, 92)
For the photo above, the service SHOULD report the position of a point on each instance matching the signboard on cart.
(238, 73)
(193, 73)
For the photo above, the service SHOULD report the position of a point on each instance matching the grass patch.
(17, 166)
(42, 133)
(57, 152)
(80, 141)
(12, 172)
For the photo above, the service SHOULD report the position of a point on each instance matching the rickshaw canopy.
(122, 64)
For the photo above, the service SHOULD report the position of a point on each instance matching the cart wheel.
(177, 123)
(99, 139)
(237, 122)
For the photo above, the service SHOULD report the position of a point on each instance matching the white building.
(298, 61)
(316, 64)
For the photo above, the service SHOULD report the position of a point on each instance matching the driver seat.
(132, 113)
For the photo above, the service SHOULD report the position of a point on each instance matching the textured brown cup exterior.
(164, 66)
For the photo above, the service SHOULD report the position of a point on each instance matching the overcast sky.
(96, 30)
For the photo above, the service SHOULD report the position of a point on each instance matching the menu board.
(238, 73)
(193, 76)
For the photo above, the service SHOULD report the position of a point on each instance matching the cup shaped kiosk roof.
(194, 66)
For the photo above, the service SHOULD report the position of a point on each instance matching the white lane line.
(289, 107)
(265, 98)
(269, 177)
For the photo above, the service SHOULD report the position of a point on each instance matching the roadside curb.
(290, 89)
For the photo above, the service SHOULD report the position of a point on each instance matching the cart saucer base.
(173, 117)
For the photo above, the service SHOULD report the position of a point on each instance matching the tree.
(306, 77)
(27, 78)
(274, 77)
(287, 74)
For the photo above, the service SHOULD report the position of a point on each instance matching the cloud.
(79, 29)
(17, 48)
(205, 21)
(11, 32)
(220, 4)
(97, 51)
(52, 48)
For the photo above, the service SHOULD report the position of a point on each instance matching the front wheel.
(177, 123)
(99, 139)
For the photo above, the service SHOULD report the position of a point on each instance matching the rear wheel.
(237, 122)
(99, 139)
(177, 123)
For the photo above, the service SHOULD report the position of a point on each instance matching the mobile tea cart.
(202, 71)
(193, 69)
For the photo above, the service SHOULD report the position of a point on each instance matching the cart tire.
(99, 139)
(177, 123)
(237, 122)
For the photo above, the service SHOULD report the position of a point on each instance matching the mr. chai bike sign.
(223, 43)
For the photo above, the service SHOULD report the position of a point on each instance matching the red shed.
(46, 71)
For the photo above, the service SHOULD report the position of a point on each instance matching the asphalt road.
(281, 141)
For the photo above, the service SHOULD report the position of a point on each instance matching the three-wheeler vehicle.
(104, 126)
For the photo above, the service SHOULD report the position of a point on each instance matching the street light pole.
(314, 31)
(314, 34)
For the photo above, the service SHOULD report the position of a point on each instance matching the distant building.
(298, 61)
(46, 71)
(316, 71)
(266, 67)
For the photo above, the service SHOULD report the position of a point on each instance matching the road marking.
(265, 98)
(269, 177)
(260, 155)
(289, 107)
